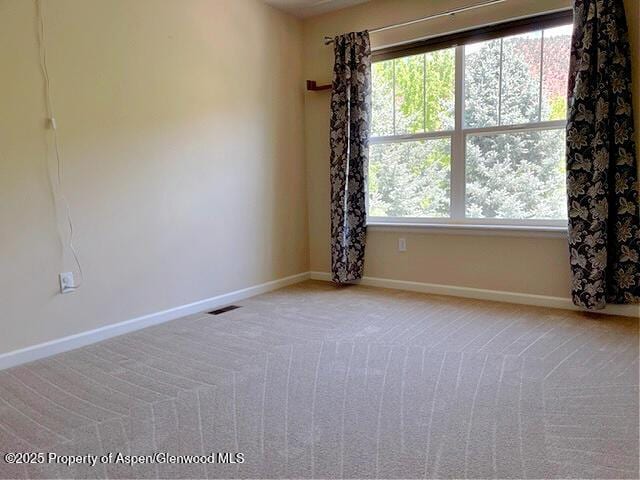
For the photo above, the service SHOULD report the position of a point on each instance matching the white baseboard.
(482, 294)
(35, 352)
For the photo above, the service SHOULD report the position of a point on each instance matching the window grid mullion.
(457, 208)
(410, 137)
(541, 67)
(424, 92)
(518, 127)
(500, 87)
(394, 96)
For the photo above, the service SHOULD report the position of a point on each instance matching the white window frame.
(457, 219)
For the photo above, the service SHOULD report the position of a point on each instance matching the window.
(472, 132)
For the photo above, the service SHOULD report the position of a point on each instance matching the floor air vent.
(224, 310)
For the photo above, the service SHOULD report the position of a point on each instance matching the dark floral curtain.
(602, 183)
(349, 142)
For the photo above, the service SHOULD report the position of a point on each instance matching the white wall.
(184, 132)
(181, 130)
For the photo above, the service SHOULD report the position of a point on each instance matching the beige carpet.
(313, 381)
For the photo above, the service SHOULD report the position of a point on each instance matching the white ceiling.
(310, 8)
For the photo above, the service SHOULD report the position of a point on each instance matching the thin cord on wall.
(52, 124)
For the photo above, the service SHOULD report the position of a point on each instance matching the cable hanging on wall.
(56, 144)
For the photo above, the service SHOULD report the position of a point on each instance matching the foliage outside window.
(491, 151)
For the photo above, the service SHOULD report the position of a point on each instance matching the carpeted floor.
(313, 381)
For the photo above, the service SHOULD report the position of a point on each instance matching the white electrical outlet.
(402, 244)
(67, 284)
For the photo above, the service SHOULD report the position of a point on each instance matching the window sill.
(470, 229)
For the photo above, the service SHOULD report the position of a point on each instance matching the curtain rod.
(453, 11)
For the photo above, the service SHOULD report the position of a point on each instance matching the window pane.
(516, 175)
(410, 179)
(440, 90)
(555, 72)
(520, 97)
(481, 84)
(382, 98)
(409, 94)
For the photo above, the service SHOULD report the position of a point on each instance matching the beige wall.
(181, 129)
(183, 136)
(528, 265)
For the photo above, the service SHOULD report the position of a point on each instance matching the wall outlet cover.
(402, 244)
(67, 283)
